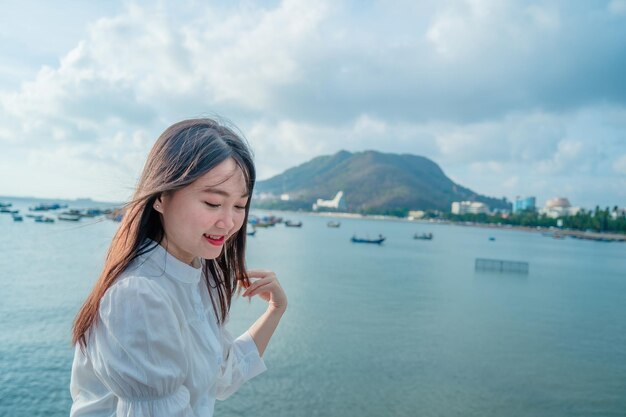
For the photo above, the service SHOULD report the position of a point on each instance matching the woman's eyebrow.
(219, 191)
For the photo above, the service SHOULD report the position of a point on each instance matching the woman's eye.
(240, 207)
(211, 205)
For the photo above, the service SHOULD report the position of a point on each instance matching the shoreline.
(555, 232)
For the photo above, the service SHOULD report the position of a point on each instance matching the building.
(558, 202)
(337, 203)
(620, 212)
(469, 207)
(524, 204)
(559, 207)
(416, 214)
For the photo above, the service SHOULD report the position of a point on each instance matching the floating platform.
(498, 265)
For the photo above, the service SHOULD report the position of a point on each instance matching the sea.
(406, 328)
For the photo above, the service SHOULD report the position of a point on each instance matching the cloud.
(502, 95)
(617, 7)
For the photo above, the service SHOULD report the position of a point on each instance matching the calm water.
(404, 329)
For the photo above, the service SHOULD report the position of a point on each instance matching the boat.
(289, 223)
(265, 221)
(69, 217)
(423, 236)
(8, 210)
(42, 219)
(378, 241)
(251, 233)
(17, 217)
(260, 224)
(46, 207)
(115, 214)
(333, 224)
(491, 239)
(5, 205)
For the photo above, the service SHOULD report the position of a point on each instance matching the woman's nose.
(226, 221)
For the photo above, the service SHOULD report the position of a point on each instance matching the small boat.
(46, 207)
(8, 210)
(491, 239)
(42, 219)
(17, 217)
(378, 241)
(333, 224)
(289, 223)
(5, 205)
(260, 224)
(265, 221)
(423, 236)
(69, 217)
(251, 233)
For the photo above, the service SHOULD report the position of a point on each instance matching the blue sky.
(510, 98)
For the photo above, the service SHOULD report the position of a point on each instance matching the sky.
(510, 98)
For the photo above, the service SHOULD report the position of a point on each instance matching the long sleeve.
(240, 362)
(137, 352)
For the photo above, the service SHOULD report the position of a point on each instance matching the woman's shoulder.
(134, 290)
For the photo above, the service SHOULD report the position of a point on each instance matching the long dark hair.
(184, 152)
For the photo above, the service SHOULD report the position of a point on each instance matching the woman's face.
(199, 218)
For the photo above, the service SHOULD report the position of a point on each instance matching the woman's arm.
(268, 288)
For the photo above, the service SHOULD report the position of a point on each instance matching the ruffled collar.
(172, 266)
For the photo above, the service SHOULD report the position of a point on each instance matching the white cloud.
(619, 165)
(491, 91)
(617, 7)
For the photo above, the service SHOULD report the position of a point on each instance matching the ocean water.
(403, 329)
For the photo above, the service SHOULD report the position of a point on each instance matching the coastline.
(555, 232)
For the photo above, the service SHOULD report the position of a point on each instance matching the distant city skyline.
(509, 98)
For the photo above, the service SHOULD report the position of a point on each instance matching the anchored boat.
(378, 241)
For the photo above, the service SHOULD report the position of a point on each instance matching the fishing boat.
(46, 207)
(42, 219)
(491, 239)
(333, 224)
(17, 217)
(423, 236)
(265, 221)
(378, 241)
(289, 223)
(69, 217)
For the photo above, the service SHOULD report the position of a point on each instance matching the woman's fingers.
(266, 285)
(259, 282)
(253, 291)
(259, 273)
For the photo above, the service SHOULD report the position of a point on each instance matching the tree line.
(599, 220)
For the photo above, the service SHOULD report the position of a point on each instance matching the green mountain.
(372, 182)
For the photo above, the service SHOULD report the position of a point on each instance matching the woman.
(150, 338)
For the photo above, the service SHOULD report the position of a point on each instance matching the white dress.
(157, 349)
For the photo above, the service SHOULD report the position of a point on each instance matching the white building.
(559, 207)
(336, 203)
(618, 213)
(469, 207)
(416, 214)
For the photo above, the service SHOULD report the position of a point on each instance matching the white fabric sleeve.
(240, 362)
(137, 353)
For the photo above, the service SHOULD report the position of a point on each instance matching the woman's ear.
(158, 204)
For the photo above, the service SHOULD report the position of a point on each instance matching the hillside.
(373, 182)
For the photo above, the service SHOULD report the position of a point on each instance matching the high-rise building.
(469, 207)
(524, 204)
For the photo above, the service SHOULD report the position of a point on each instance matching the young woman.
(150, 338)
